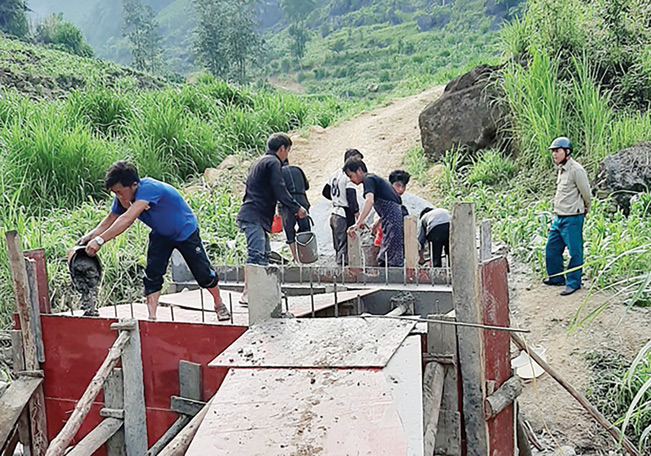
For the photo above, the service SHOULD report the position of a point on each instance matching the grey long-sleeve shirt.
(572, 189)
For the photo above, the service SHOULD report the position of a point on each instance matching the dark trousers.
(439, 239)
(565, 232)
(339, 227)
(159, 252)
(289, 224)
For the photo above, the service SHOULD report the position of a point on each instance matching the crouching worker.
(173, 226)
(434, 227)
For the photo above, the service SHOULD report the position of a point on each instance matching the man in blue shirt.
(173, 226)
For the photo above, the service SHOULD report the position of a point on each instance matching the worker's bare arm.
(119, 226)
(103, 226)
(368, 205)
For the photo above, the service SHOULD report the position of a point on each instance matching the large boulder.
(466, 115)
(624, 174)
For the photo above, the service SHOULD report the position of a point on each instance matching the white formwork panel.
(281, 412)
(405, 379)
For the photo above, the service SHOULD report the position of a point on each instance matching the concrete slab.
(280, 412)
(319, 342)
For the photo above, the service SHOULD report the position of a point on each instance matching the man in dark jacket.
(265, 187)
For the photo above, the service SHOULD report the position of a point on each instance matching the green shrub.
(62, 35)
(491, 168)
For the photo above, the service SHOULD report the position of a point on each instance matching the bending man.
(173, 226)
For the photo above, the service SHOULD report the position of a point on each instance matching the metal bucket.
(306, 247)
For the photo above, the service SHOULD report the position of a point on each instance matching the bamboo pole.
(596, 414)
(180, 444)
(65, 436)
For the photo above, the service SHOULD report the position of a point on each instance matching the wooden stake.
(465, 295)
(21, 290)
(596, 414)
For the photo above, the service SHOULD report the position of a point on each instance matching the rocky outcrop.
(466, 115)
(624, 174)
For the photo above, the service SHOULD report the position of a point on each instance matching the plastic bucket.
(277, 224)
(306, 247)
(527, 368)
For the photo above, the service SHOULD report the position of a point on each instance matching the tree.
(225, 38)
(297, 12)
(13, 19)
(61, 34)
(141, 29)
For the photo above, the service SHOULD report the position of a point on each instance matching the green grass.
(615, 384)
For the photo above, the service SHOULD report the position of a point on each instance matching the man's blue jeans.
(257, 243)
(565, 232)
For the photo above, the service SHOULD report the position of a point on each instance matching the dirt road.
(383, 135)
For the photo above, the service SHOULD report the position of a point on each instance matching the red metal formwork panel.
(495, 305)
(75, 347)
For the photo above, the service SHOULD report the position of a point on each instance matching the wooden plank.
(37, 416)
(169, 435)
(32, 283)
(96, 438)
(185, 406)
(24, 434)
(411, 242)
(135, 419)
(442, 342)
(114, 398)
(433, 380)
(485, 240)
(13, 402)
(18, 356)
(497, 354)
(355, 253)
(317, 342)
(190, 385)
(466, 298)
(10, 446)
(38, 255)
(65, 436)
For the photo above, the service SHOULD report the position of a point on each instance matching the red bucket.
(277, 224)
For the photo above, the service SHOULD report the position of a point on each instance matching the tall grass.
(53, 156)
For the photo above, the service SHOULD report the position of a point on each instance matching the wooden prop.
(596, 414)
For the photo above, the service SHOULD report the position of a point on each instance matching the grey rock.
(625, 174)
(466, 115)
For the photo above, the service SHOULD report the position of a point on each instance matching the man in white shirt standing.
(343, 194)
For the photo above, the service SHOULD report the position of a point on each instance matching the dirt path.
(548, 316)
(382, 135)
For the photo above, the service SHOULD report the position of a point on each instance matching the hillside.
(41, 72)
(430, 37)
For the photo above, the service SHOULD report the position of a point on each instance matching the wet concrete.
(86, 273)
